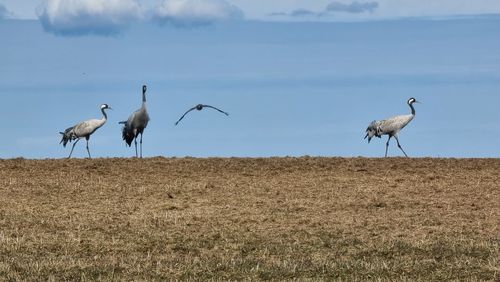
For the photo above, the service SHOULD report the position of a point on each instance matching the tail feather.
(373, 130)
(128, 134)
(67, 136)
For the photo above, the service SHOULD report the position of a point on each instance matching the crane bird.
(83, 130)
(136, 123)
(200, 107)
(391, 126)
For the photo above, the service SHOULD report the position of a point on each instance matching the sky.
(297, 77)
(262, 9)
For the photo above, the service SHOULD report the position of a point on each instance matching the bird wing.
(395, 124)
(208, 106)
(185, 115)
(131, 118)
(87, 127)
(144, 117)
(139, 118)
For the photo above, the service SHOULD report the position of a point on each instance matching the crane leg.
(73, 148)
(88, 151)
(141, 145)
(135, 143)
(397, 139)
(387, 145)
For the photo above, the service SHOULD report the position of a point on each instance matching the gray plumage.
(83, 130)
(136, 123)
(391, 126)
(200, 107)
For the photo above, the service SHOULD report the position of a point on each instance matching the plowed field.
(269, 218)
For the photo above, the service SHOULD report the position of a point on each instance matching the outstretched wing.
(185, 115)
(208, 106)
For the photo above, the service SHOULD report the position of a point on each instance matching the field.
(269, 218)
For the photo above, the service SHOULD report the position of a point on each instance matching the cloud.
(4, 13)
(196, 12)
(354, 7)
(296, 13)
(302, 13)
(82, 17)
(278, 14)
(108, 17)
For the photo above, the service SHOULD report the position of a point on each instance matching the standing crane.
(136, 123)
(83, 130)
(200, 107)
(391, 126)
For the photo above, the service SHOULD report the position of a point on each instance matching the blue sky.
(293, 85)
(262, 9)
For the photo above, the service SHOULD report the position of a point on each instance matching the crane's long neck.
(412, 109)
(143, 107)
(105, 116)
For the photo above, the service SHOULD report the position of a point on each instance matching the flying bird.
(136, 123)
(200, 107)
(391, 126)
(83, 130)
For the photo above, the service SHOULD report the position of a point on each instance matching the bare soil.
(264, 218)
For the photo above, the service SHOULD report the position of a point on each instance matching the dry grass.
(275, 218)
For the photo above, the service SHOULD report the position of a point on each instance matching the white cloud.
(103, 17)
(196, 12)
(80, 17)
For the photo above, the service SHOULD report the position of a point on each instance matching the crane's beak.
(109, 108)
(418, 102)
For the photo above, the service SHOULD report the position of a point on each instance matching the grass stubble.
(260, 219)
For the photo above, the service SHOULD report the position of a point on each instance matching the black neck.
(104, 113)
(412, 109)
